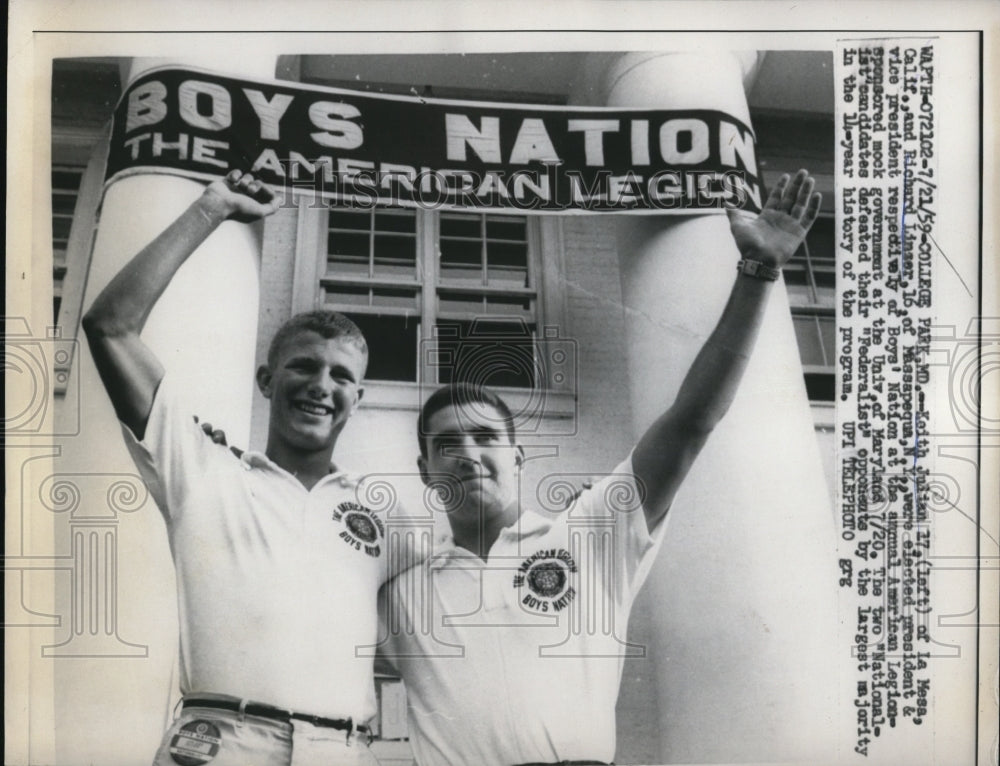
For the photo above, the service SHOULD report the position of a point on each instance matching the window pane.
(505, 227)
(507, 264)
(820, 386)
(815, 335)
(795, 273)
(389, 298)
(825, 282)
(395, 255)
(828, 335)
(512, 306)
(506, 251)
(821, 242)
(387, 236)
(66, 179)
(460, 303)
(461, 225)
(814, 263)
(802, 294)
(342, 295)
(392, 346)
(358, 220)
(63, 203)
(486, 352)
(349, 296)
(403, 221)
(60, 228)
(461, 260)
(348, 254)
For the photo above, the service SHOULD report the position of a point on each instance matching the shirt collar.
(528, 524)
(251, 459)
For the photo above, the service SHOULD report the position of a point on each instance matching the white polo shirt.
(276, 584)
(518, 659)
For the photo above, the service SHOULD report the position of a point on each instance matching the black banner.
(363, 149)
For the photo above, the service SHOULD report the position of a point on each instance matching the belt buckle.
(355, 732)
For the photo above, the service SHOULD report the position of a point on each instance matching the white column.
(740, 609)
(204, 328)
(113, 709)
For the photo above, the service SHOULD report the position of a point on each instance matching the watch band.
(757, 269)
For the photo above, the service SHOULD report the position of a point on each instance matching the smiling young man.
(312, 378)
(510, 638)
(278, 564)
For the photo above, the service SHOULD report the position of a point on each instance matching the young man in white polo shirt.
(511, 637)
(278, 564)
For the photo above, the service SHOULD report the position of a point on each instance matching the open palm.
(773, 236)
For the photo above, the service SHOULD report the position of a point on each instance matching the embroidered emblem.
(363, 530)
(195, 743)
(547, 576)
(547, 579)
(362, 527)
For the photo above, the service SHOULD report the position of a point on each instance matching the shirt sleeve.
(404, 548)
(613, 507)
(174, 452)
(406, 538)
(405, 617)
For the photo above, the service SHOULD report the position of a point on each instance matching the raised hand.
(773, 236)
(241, 197)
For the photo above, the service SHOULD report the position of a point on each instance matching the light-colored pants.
(211, 737)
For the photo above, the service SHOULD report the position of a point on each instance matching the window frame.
(817, 307)
(545, 262)
(70, 146)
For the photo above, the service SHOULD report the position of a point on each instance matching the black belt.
(567, 763)
(273, 713)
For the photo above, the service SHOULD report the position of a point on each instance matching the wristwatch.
(757, 269)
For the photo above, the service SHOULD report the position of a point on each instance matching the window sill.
(824, 415)
(392, 395)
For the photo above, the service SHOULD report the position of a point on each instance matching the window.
(486, 302)
(84, 92)
(441, 296)
(372, 276)
(65, 189)
(789, 141)
(810, 277)
(76, 196)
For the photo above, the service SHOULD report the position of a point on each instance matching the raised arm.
(129, 369)
(667, 450)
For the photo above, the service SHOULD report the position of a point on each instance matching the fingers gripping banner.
(364, 150)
